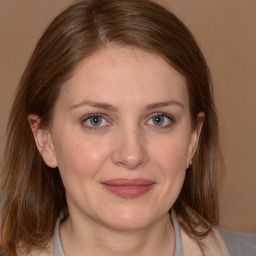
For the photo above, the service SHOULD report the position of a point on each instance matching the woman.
(112, 140)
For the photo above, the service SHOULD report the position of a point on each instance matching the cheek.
(169, 158)
(171, 153)
(80, 156)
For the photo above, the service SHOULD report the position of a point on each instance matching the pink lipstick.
(128, 188)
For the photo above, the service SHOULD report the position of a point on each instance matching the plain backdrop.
(226, 33)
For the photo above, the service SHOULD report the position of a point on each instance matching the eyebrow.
(112, 108)
(94, 104)
(164, 104)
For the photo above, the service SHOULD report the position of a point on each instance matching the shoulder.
(48, 251)
(209, 245)
(212, 244)
(36, 253)
(239, 243)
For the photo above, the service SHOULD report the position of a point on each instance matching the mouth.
(128, 188)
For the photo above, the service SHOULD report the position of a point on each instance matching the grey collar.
(58, 249)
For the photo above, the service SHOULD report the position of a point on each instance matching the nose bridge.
(131, 150)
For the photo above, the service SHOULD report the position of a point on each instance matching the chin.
(130, 220)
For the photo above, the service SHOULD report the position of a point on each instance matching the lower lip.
(125, 191)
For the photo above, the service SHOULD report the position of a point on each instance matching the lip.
(128, 188)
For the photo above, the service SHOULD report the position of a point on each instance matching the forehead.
(121, 75)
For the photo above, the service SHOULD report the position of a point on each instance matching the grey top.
(57, 246)
(239, 243)
(58, 250)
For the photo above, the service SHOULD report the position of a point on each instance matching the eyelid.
(86, 117)
(162, 114)
(109, 121)
(169, 116)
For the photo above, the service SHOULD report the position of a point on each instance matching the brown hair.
(32, 195)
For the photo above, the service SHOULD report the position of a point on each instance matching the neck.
(94, 239)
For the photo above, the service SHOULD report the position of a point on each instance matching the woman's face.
(122, 139)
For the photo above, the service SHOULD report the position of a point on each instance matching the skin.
(124, 86)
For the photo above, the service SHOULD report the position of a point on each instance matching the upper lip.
(128, 182)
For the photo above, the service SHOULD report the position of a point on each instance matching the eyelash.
(168, 116)
(87, 117)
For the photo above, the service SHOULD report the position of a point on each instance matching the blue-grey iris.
(158, 120)
(96, 120)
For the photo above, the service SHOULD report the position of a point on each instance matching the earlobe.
(43, 141)
(195, 135)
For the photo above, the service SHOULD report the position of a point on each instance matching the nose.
(130, 151)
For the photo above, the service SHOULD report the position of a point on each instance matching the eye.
(161, 120)
(94, 121)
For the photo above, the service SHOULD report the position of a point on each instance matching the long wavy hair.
(32, 195)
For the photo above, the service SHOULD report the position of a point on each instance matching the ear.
(195, 135)
(43, 141)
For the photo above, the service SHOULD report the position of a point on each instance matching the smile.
(128, 188)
